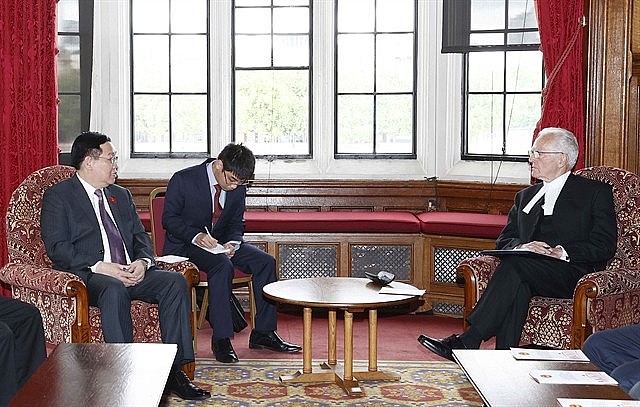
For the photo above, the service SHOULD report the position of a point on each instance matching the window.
(375, 81)
(272, 76)
(169, 78)
(74, 71)
(503, 75)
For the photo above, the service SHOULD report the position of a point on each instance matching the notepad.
(170, 258)
(565, 402)
(573, 355)
(572, 377)
(390, 289)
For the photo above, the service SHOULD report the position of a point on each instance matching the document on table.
(392, 288)
(170, 258)
(572, 377)
(564, 402)
(573, 355)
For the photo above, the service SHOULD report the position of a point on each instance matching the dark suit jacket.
(71, 232)
(188, 208)
(583, 217)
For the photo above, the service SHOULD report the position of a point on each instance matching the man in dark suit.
(90, 228)
(22, 345)
(204, 206)
(617, 352)
(568, 219)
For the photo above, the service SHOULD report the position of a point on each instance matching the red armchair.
(602, 300)
(62, 297)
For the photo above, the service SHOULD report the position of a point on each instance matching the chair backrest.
(24, 242)
(156, 206)
(626, 198)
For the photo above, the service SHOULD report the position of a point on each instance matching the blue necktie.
(116, 245)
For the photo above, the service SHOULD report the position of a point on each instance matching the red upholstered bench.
(480, 225)
(331, 222)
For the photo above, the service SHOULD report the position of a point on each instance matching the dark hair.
(239, 160)
(87, 144)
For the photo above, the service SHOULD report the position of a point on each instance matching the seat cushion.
(480, 225)
(331, 222)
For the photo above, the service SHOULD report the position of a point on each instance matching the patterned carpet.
(256, 383)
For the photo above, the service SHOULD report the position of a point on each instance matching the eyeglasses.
(113, 160)
(537, 154)
(232, 180)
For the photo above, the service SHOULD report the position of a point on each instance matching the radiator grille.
(448, 309)
(302, 261)
(446, 260)
(394, 259)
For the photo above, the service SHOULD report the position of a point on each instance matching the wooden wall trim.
(330, 195)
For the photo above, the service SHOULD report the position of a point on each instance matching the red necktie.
(217, 209)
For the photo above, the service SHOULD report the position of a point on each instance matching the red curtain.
(28, 95)
(561, 27)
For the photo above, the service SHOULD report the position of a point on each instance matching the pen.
(206, 229)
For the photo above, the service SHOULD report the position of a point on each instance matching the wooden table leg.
(332, 358)
(373, 373)
(307, 375)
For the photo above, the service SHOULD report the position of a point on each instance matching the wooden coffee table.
(347, 294)
(501, 380)
(100, 374)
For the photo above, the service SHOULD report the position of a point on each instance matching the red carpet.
(397, 336)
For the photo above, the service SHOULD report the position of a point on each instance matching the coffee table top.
(501, 380)
(347, 293)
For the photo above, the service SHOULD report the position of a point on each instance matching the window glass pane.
(188, 63)
(394, 15)
(68, 63)
(522, 114)
(394, 129)
(68, 121)
(485, 126)
(291, 20)
(189, 123)
(188, 16)
(253, 21)
(355, 121)
(394, 63)
(272, 111)
(523, 38)
(356, 15)
(68, 15)
(252, 3)
(524, 71)
(487, 14)
(253, 51)
(150, 16)
(150, 63)
(291, 50)
(151, 123)
(289, 2)
(486, 71)
(486, 39)
(355, 63)
(522, 14)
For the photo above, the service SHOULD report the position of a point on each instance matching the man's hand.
(206, 240)
(232, 249)
(129, 275)
(543, 248)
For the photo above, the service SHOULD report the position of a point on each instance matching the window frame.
(336, 94)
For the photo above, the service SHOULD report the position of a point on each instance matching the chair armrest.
(476, 272)
(187, 268)
(611, 290)
(38, 278)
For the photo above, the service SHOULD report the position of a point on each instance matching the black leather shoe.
(442, 347)
(271, 341)
(223, 350)
(179, 384)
